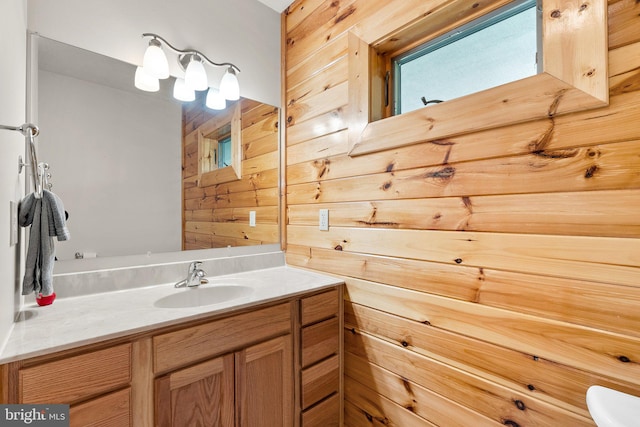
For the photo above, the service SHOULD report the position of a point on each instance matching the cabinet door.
(264, 384)
(201, 395)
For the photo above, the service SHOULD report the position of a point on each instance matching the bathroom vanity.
(269, 358)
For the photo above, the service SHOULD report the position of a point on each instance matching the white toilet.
(611, 408)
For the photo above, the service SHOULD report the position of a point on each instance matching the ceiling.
(277, 5)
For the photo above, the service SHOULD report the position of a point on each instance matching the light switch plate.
(13, 220)
(323, 219)
(252, 218)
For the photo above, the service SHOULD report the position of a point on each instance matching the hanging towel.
(56, 214)
(45, 215)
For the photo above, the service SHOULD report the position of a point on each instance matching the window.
(494, 49)
(224, 152)
(220, 147)
(572, 72)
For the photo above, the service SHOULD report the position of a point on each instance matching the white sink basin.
(611, 408)
(201, 296)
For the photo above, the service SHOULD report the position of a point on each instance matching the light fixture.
(215, 100)
(155, 61)
(195, 77)
(144, 81)
(181, 92)
(229, 87)
(192, 62)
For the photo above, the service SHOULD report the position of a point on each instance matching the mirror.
(119, 159)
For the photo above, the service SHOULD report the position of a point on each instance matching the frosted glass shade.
(182, 93)
(215, 100)
(155, 61)
(195, 77)
(229, 87)
(144, 81)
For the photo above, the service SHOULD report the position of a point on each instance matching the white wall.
(13, 24)
(104, 144)
(244, 32)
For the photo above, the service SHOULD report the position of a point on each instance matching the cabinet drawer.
(319, 307)
(320, 380)
(325, 414)
(112, 410)
(183, 347)
(78, 377)
(320, 341)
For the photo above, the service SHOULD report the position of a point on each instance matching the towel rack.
(30, 131)
(45, 176)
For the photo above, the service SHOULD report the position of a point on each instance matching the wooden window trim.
(228, 173)
(574, 76)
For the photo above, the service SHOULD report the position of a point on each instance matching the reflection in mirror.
(234, 205)
(220, 149)
(115, 155)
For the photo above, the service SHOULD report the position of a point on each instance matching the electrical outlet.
(323, 219)
(252, 218)
(13, 220)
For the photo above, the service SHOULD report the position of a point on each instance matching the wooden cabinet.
(320, 363)
(276, 365)
(95, 384)
(249, 386)
(197, 396)
(264, 388)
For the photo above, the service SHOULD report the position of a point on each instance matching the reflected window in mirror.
(216, 149)
(220, 147)
(217, 207)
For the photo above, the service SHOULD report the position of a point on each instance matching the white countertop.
(82, 320)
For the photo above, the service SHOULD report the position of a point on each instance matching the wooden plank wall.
(218, 215)
(495, 293)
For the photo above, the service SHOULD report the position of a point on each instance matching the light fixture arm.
(191, 52)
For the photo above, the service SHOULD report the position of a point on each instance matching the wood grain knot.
(520, 405)
(589, 173)
(458, 260)
(583, 7)
(556, 14)
(338, 248)
(531, 387)
(511, 423)
(405, 344)
(624, 359)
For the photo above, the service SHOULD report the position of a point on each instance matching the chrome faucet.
(195, 276)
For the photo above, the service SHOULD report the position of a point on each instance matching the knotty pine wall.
(218, 215)
(493, 295)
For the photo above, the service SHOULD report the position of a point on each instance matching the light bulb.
(229, 87)
(155, 61)
(144, 81)
(215, 100)
(195, 77)
(181, 92)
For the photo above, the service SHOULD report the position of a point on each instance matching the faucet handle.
(194, 266)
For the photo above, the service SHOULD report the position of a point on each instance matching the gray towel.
(46, 217)
(57, 224)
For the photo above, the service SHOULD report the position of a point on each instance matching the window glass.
(224, 152)
(495, 49)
